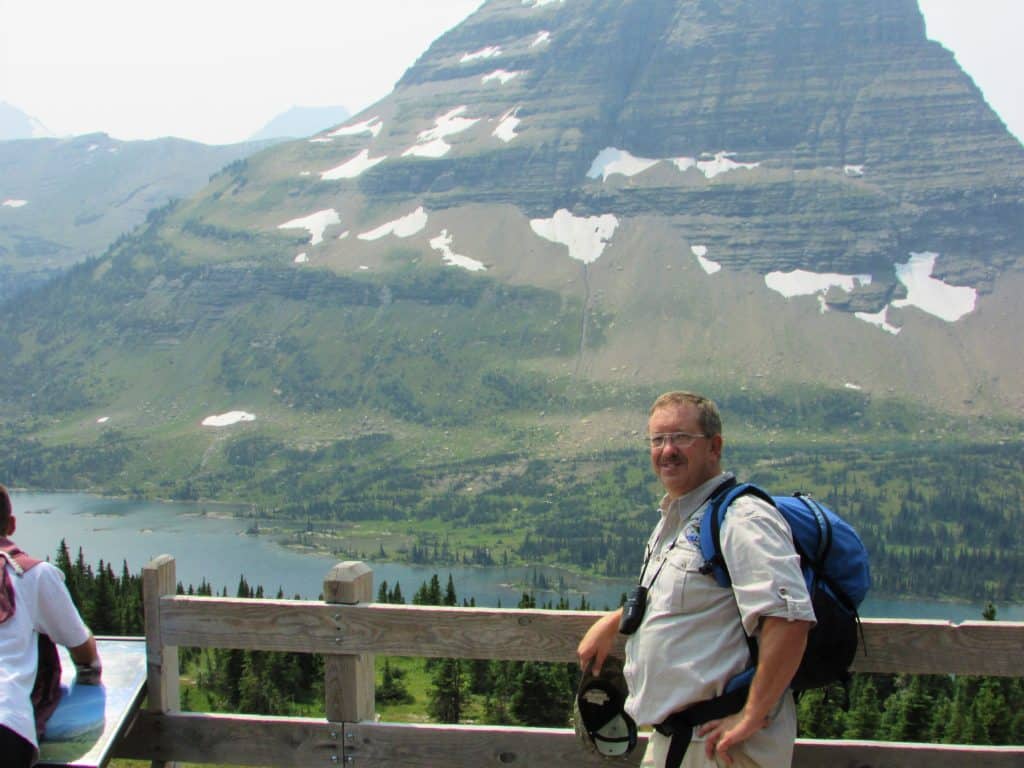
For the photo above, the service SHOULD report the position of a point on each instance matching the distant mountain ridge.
(65, 200)
(301, 122)
(803, 206)
(16, 124)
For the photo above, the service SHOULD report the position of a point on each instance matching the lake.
(207, 543)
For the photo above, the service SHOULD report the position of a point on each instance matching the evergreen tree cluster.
(937, 709)
(255, 682)
(512, 692)
(109, 604)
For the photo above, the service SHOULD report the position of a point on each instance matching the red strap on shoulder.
(18, 555)
(13, 554)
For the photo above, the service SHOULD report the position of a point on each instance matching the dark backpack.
(835, 567)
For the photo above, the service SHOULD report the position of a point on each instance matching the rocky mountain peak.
(766, 192)
(841, 112)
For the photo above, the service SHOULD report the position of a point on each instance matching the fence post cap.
(349, 582)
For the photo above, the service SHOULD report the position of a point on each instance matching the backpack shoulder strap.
(711, 526)
(46, 690)
(12, 555)
(18, 559)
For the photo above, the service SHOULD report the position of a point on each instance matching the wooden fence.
(349, 630)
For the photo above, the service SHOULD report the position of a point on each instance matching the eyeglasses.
(678, 439)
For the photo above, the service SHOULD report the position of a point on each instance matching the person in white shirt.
(34, 601)
(692, 638)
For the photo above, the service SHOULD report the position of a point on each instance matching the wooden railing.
(349, 630)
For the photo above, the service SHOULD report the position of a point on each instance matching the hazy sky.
(217, 70)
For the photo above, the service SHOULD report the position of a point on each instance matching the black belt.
(679, 725)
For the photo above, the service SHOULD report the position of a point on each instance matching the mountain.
(15, 124)
(300, 123)
(65, 200)
(803, 207)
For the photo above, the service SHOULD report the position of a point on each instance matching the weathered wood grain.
(891, 645)
(233, 739)
(348, 678)
(349, 629)
(816, 753)
(162, 674)
(275, 741)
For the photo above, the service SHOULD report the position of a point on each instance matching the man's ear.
(11, 525)
(716, 445)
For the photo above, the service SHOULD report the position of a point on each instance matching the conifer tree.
(908, 712)
(396, 597)
(863, 719)
(989, 714)
(498, 701)
(541, 696)
(392, 688)
(448, 694)
(100, 613)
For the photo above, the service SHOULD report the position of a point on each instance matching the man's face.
(680, 469)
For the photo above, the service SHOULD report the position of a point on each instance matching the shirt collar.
(690, 502)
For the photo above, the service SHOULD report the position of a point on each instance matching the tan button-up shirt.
(691, 641)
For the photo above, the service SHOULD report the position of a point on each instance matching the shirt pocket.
(682, 566)
(692, 591)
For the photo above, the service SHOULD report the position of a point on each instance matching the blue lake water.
(209, 544)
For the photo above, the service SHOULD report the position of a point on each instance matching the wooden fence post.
(349, 679)
(162, 690)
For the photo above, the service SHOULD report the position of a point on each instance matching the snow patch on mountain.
(946, 302)
(879, 319)
(315, 223)
(353, 167)
(489, 52)
(720, 162)
(585, 238)
(405, 226)
(701, 252)
(371, 126)
(431, 142)
(227, 419)
(937, 298)
(801, 282)
(443, 243)
(507, 124)
(611, 160)
(501, 75)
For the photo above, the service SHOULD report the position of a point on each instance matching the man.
(692, 638)
(33, 601)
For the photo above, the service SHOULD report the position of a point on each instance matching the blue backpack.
(835, 566)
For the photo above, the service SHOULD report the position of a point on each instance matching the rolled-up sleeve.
(757, 545)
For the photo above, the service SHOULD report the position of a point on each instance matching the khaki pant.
(769, 748)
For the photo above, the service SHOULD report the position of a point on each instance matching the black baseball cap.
(600, 720)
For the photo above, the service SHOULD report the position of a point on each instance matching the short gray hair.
(708, 417)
